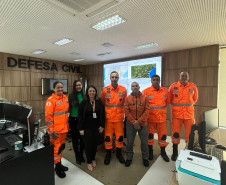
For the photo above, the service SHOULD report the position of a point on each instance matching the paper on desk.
(186, 153)
(12, 128)
(32, 148)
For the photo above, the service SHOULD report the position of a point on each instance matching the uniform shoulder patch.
(48, 103)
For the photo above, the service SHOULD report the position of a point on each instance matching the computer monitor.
(23, 115)
(1, 110)
(211, 117)
(202, 135)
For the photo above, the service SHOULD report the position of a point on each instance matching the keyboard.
(2, 132)
(11, 139)
(218, 153)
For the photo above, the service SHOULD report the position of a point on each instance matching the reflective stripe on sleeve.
(112, 106)
(60, 113)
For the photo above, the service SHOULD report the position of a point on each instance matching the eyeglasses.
(114, 77)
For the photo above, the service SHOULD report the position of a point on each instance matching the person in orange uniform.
(56, 118)
(183, 95)
(136, 111)
(158, 101)
(113, 98)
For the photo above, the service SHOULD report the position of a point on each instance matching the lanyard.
(93, 105)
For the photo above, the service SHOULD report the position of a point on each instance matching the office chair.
(223, 172)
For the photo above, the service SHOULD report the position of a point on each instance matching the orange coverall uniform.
(158, 101)
(182, 99)
(114, 99)
(56, 118)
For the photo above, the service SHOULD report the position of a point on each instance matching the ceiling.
(28, 25)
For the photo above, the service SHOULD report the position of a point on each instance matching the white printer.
(192, 170)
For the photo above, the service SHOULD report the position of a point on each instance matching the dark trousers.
(91, 137)
(77, 141)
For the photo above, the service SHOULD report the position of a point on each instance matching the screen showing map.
(140, 71)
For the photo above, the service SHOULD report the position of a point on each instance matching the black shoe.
(60, 173)
(164, 155)
(78, 159)
(128, 163)
(64, 168)
(146, 162)
(150, 147)
(108, 157)
(119, 156)
(175, 152)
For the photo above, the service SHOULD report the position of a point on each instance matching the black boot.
(60, 173)
(164, 155)
(64, 168)
(78, 159)
(119, 156)
(128, 162)
(150, 152)
(108, 157)
(145, 162)
(175, 152)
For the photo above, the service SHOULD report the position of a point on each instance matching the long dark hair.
(73, 97)
(87, 90)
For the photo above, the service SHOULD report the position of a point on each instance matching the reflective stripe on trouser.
(176, 128)
(110, 128)
(57, 145)
(161, 131)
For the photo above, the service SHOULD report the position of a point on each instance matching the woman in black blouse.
(91, 119)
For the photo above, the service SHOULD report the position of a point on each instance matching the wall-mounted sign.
(39, 65)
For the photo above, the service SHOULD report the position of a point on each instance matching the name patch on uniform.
(191, 91)
(67, 102)
(120, 92)
(175, 92)
(59, 103)
(120, 95)
(164, 96)
(108, 91)
(175, 88)
(48, 104)
(150, 97)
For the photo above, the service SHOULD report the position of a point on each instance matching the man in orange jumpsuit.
(113, 97)
(158, 101)
(56, 118)
(183, 95)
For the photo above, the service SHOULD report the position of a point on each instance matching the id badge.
(94, 115)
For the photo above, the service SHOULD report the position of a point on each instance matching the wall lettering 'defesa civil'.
(39, 65)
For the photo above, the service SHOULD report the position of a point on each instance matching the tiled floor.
(160, 172)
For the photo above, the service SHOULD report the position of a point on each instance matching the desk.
(219, 135)
(27, 168)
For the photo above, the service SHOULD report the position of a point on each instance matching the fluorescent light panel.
(79, 59)
(104, 54)
(146, 45)
(108, 23)
(75, 53)
(63, 41)
(37, 52)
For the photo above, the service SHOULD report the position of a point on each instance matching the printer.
(197, 168)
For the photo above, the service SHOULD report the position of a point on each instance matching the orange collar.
(188, 84)
(112, 88)
(57, 97)
(153, 89)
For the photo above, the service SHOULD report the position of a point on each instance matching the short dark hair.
(56, 82)
(184, 71)
(114, 72)
(135, 82)
(155, 76)
(87, 90)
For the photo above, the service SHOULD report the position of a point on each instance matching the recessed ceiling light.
(104, 54)
(63, 41)
(75, 53)
(37, 52)
(146, 45)
(108, 23)
(107, 44)
(79, 59)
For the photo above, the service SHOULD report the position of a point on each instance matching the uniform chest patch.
(176, 96)
(164, 96)
(175, 88)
